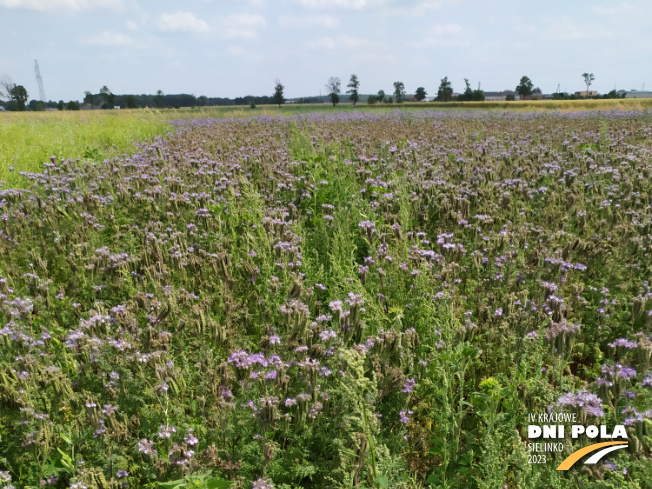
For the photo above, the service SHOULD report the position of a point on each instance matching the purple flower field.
(330, 300)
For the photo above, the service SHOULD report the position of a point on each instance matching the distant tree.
(389, 99)
(19, 96)
(108, 98)
(88, 98)
(6, 84)
(381, 96)
(354, 84)
(73, 105)
(36, 105)
(445, 91)
(333, 87)
(588, 81)
(372, 99)
(510, 97)
(467, 96)
(131, 102)
(399, 92)
(61, 105)
(278, 93)
(478, 95)
(159, 98)
(525, 87)
(420, 94)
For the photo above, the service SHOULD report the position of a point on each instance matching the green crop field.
(318, 297)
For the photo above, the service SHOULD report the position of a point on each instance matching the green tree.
(19, 96)
(354, 84)
(73, 105)
(333, 87)
(588, 80)
(61, 105)
(467, 96)
(399, 92)
(478, 95)
(372, 99)
(420, 94)
(159, 98)
(108, 98)
(131, 102)
(88, 98)
(525, 87)
(381, 96)
(445, 91)
(278, 93)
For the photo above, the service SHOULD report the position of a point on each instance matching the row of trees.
(106, 99)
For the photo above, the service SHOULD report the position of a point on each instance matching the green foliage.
(366, 299)
(19, 96)
(354, 85)
(525, 87)
(333, 86)
(399, 92)
(445, 90)
(278, 94)
(420, 94)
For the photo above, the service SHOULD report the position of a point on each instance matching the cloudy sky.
(238, 47)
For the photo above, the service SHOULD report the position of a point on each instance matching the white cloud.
(59, 5)
(341, 42)
(443, 35)
(243, 26)
(393, 6)
(308, 21)
(565, 29)
(181, 22)
(345, 4)
(131, 25)
(110, 38)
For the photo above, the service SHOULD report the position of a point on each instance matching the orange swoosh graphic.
(575, 456)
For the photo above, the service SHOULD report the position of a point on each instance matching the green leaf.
(173, 484)
(381, 481)
(215, 483)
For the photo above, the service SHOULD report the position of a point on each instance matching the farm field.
(360, 298)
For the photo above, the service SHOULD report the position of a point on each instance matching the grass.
(27, 139)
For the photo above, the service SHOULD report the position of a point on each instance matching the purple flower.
(587, 401)
(624, 343)
(625, 373)
(327, 335)
(409, 385)
(166, 432)
(121, 474)
(145, 446)
(263, 484)
(405, 416)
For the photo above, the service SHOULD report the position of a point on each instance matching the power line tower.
(39, 80)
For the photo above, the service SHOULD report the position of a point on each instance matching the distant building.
(585, 94)
(499, 96)
(638, 94)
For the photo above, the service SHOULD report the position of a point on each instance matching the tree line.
(17, 96)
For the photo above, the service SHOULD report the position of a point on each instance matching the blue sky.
(239, 47)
